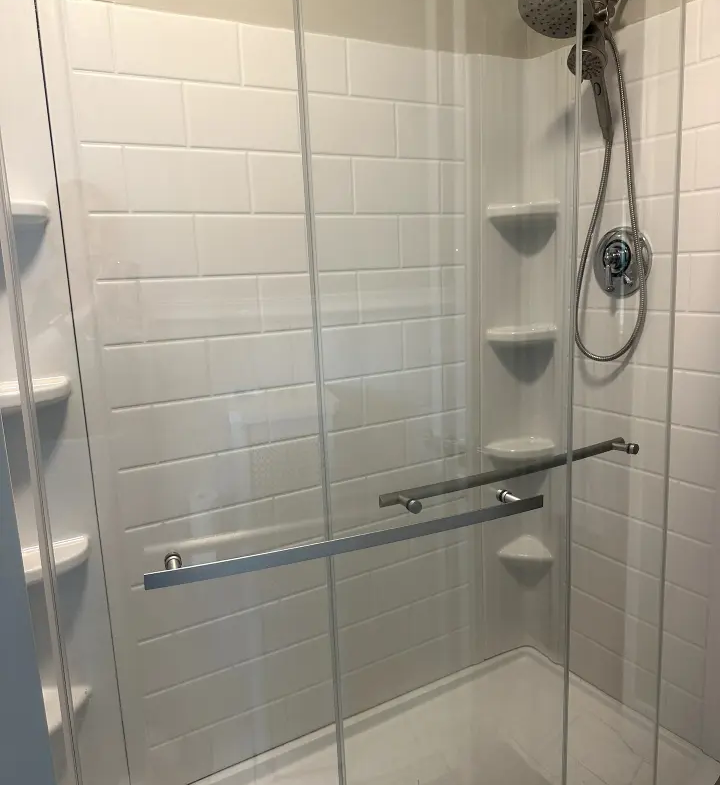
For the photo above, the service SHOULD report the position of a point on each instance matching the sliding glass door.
(320, 286)
(443, 350)
(383, 616)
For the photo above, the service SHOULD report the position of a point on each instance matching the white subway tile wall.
(619, 511)
(189, 147)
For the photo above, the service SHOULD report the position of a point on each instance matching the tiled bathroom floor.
(497, 724)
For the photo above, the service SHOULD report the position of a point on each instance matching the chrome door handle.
(410, 498)
(174, 575)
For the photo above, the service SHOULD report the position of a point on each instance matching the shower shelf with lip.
(524, 211)
(524, 550)
(69, 554)
(29, 213)
(522, 335)
(51, 699)
(520, 448)
(46, 390)
(527, 558)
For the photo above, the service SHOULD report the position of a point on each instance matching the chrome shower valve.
(616, 267)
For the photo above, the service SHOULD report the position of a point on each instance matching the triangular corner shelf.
(69, 554)
(46, 390)
(524, 211)
(521, 448)
(29, 213)
(51, 699)
(526, 549)
(527, 558)
(522, 335)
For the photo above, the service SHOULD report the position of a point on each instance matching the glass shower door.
(301, 291)
(436, 608)
(184, 225)
(440, 226)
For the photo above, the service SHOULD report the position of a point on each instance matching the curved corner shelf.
(521, 448)
(525, 551)
(27, 213)
(543, 210)
(51, 699)
(522, 335)
(69, 554)
(50, 389)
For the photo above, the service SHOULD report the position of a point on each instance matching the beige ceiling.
(476, 26)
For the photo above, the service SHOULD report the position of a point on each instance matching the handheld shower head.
(593, 56)
(593, 61)
(554, 18)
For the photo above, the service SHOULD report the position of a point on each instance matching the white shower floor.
(499, 723)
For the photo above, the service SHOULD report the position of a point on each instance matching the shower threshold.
(498, 723)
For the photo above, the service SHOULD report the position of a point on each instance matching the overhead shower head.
(554, 18)
(558, 19)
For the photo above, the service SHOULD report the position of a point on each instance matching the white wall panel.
(605, 496)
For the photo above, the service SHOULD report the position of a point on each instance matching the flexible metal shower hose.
(599, 202)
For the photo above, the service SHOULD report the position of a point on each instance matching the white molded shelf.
(525, 550)
(50, 389)
(68, 554)
(524, 210)
(51, 699)
(521, 448)
(522, 335)
(26, 213)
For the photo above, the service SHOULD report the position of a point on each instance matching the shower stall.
(312, 483)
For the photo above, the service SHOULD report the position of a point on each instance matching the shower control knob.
(616, 259)
(609, 285)
(616, 262)
(618, 256)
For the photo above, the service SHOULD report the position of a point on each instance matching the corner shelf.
(522, 335)
(516, 211)
(50, 389)
(521, 448)
(28, 213)
(69, 554)
(51, 699)
(525, 551)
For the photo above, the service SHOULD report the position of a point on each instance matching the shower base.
(499, 723)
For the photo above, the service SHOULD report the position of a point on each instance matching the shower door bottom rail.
(410, 498)
(176, 575)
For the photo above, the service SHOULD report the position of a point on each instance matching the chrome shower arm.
(605, 10)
